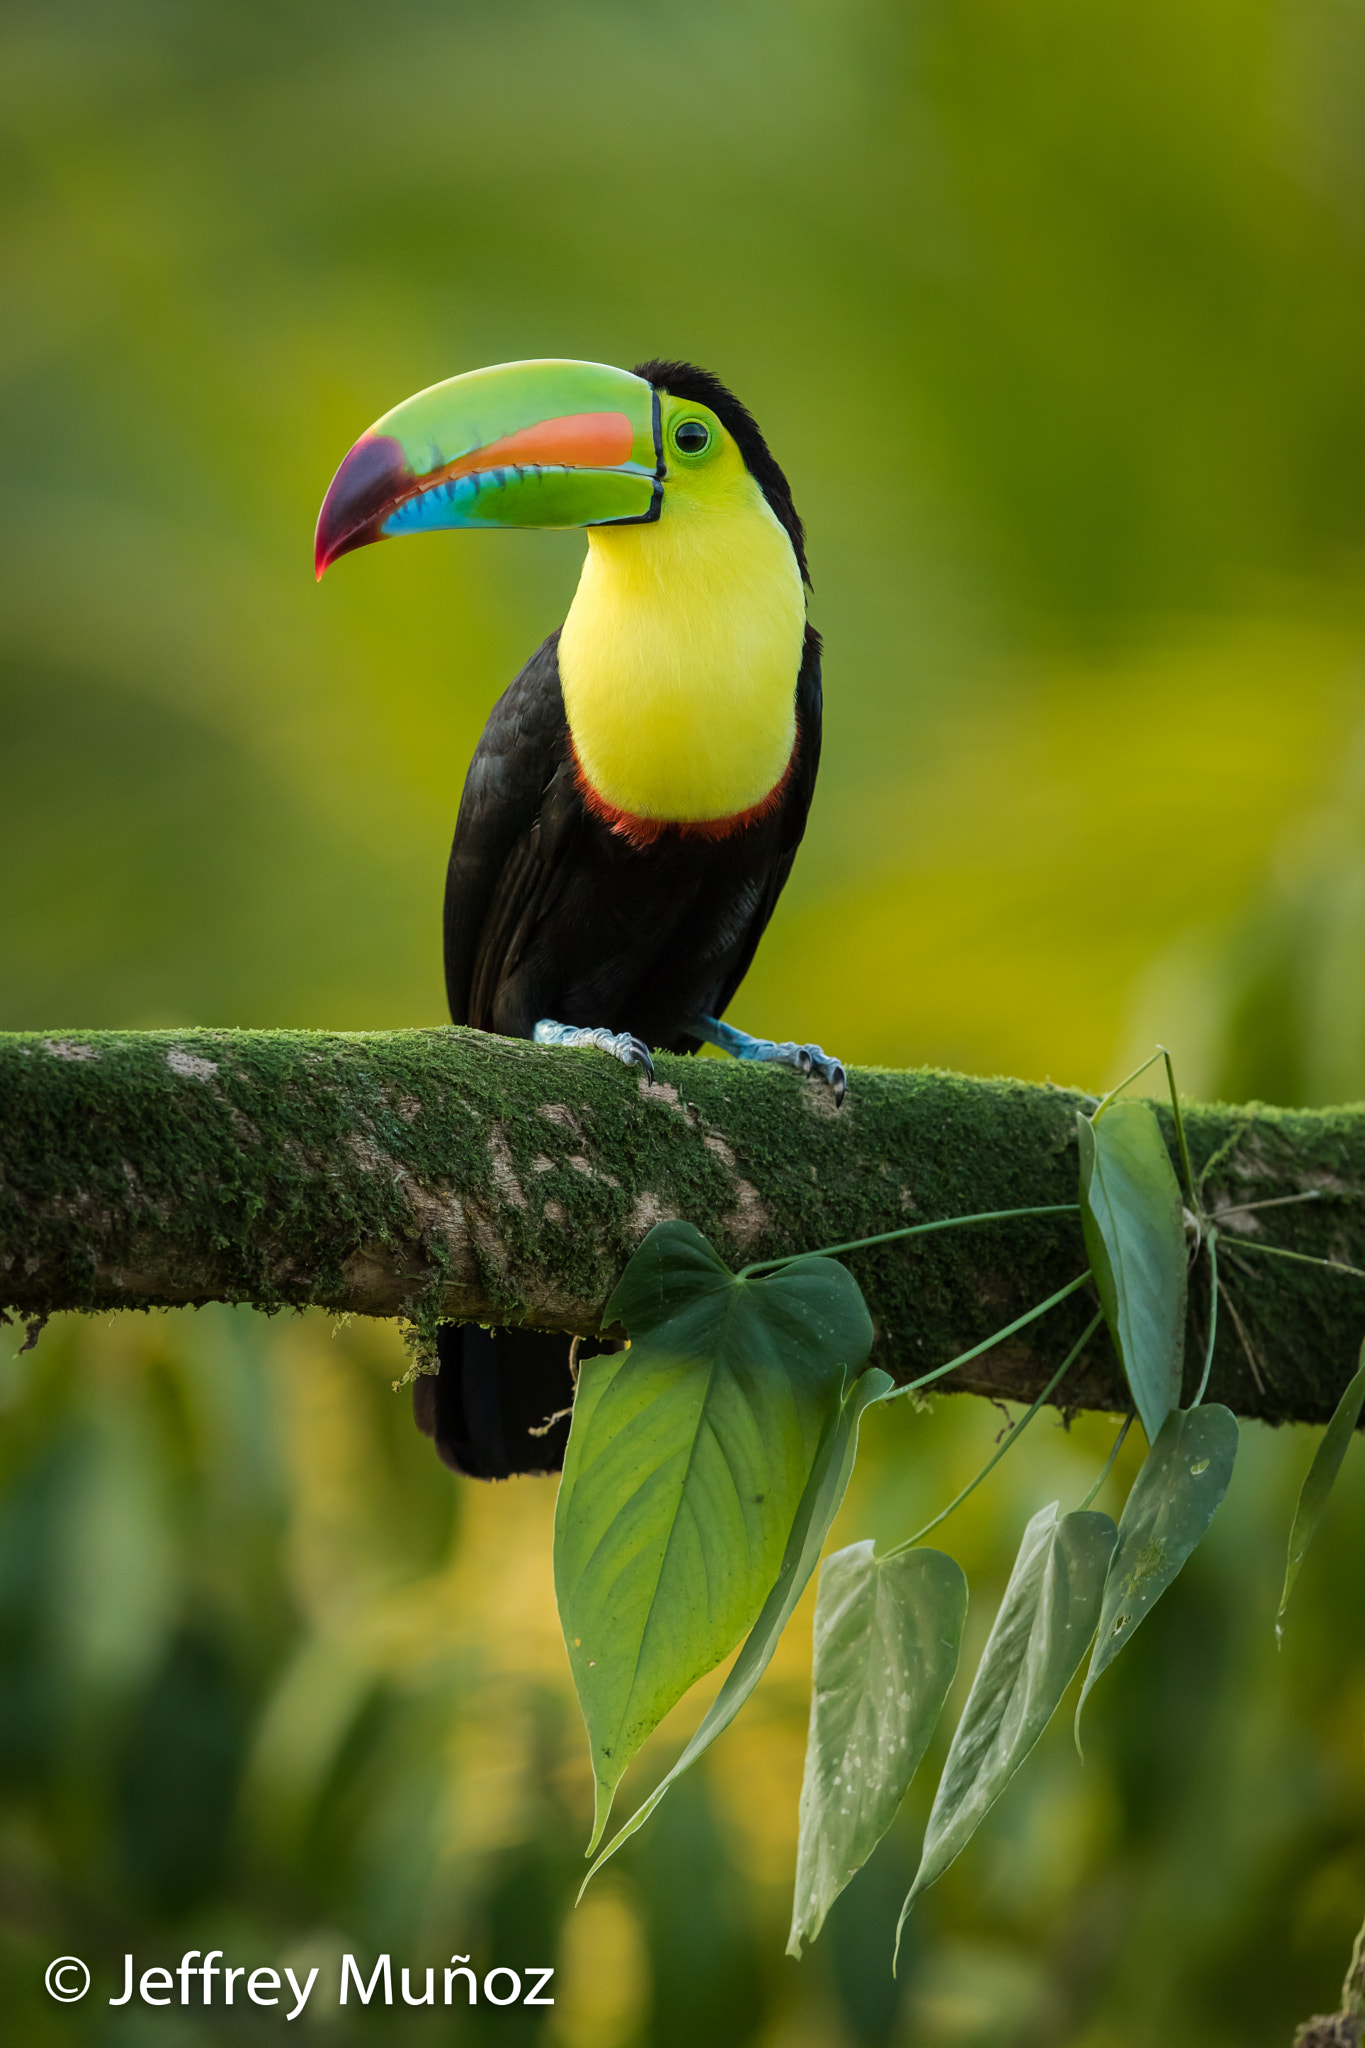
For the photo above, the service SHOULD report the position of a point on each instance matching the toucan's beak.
(523, 444)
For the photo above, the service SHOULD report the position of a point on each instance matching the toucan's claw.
(826, 1069)
(633, 1052)
(812, 1061)
(622, 1045)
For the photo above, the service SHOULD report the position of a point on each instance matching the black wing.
(494, 871)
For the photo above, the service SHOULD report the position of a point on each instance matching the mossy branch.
(447, 1174)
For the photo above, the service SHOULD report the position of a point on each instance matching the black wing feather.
(494, 873)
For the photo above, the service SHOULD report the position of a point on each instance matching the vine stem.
(1012, 1437)
(988, 1343)
(1271, 1202)
(1277, 1251)
(1212, 1243)
(1245, 1340)
(1105, 1100)
(857, 1244)
(1108, 1464)
(1222, 1152)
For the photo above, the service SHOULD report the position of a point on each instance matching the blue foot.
(807, 1059)
(631, 1051)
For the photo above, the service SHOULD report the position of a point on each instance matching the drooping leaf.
(1035, 1647)
(1332, 1448)
(1133, 1223)
(687, 1459)
(1174, 1498)
(887, 1636)
(820, 1503)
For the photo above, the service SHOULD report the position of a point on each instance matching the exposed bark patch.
(189, 1067)
(560, 1113)
(647, 1210)
(585, 1166)
(1244, 1226)
(750, 1219)
(818, 1100)
(504, 1171)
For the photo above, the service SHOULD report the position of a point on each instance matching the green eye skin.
(691, 437)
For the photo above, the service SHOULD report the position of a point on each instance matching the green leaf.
(887, 1636)
(820, 1503)
(1035, 1647)
(1134, 1228)
(1174, 1498)
(1321, 1478)
(687, 1459)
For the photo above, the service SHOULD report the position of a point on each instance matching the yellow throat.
(679, 657)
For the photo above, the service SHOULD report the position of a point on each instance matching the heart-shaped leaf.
(687, 1459)
(887, 1636)
(1035, 1647)
(1334, 1444)
(820, 1503)
(1174, 1498)
(1133, 1223)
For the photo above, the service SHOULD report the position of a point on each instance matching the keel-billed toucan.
(637, 798)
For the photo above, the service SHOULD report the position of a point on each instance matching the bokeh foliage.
(1055, 315)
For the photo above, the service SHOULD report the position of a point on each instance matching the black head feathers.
(686, 380)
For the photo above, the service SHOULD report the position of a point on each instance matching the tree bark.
(447, 1174)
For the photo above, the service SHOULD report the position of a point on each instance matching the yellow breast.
(679, 657)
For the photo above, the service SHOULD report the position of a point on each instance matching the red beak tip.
(370, 481)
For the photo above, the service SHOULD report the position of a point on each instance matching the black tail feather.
(499, 1405)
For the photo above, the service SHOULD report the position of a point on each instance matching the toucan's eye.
(691, 436)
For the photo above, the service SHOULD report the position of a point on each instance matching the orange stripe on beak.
(579, 440)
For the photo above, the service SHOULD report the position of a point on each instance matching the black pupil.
(692, 437)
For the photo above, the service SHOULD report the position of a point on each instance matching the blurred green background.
(1055, 315)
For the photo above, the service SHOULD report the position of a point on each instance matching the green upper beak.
(551, 443)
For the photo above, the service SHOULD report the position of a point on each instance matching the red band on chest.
(641, 832)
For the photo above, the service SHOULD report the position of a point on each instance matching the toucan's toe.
(814, 1063)
(622, 1045)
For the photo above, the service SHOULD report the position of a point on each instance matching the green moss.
(143, 1168)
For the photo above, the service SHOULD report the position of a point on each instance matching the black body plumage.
(549, 912)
